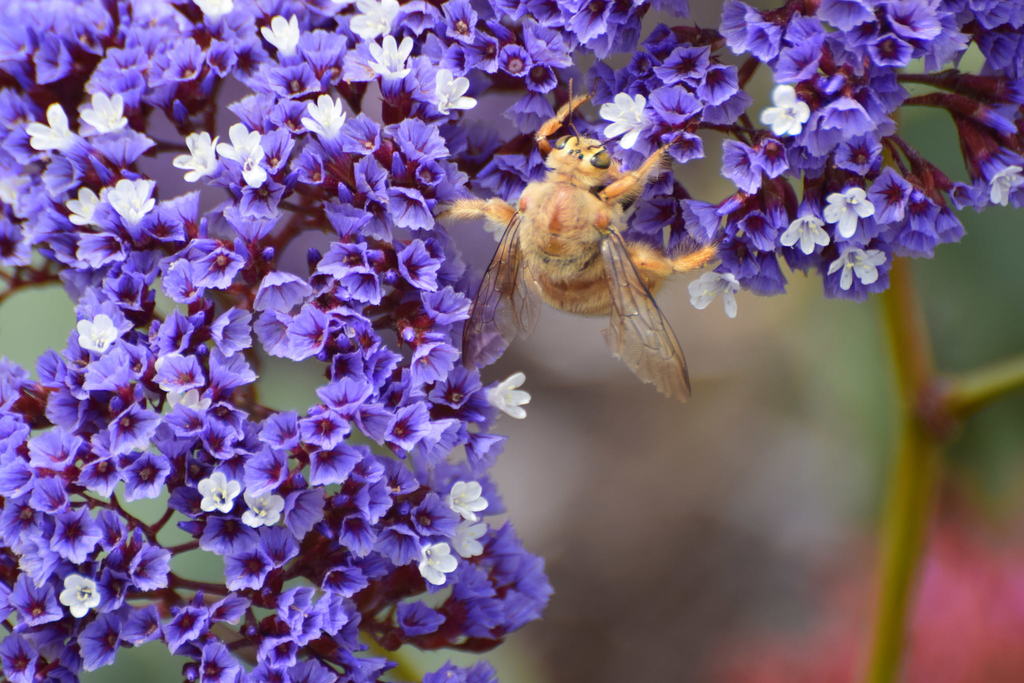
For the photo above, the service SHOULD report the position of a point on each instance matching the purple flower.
(247, 569)
(52, 450)
(132, 429)
(418, 266)
(409, 209)
(75, 534)
(281, 291)
(99, 642)
(891, 50)
(19, 659)
(845, 14)
(674, 106)
(179, 373)
(741, 165)
(141, 625)
(759, 230)
(460, 20)
(416, 619)
(226, 535)
(34, 604)
(186, 624)
(231, 331)
(514, 60)
(334, 466)
(687, 64)
(217, 664)
(771, 158)
(719, 84)
(218, 268)
(323, 428)
(890, 194)
(144, 477)
(859, 155)
(49, 495)
(799, 61)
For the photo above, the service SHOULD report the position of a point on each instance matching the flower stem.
(911, 489)
(908, 507)
(971, 390)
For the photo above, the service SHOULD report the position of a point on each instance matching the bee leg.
(629, 184)
(694, 259)
(655, 266)
(493, 210)
(549, 127)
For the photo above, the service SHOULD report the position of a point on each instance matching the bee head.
(585, 158)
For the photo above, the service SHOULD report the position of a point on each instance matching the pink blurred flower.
(967, 625)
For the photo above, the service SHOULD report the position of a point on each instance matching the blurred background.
(732, 538)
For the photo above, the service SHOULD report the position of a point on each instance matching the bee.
(563, 242)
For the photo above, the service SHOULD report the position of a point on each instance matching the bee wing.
(503, 306)
(639, 333)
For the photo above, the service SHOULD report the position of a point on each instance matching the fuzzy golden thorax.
(584, 162)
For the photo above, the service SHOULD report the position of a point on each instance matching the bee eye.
(601, 160)
(560, 142)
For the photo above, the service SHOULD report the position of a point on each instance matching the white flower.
(435, 561)
(627, 116)
(83, 208)
(264, 510)
(189, 399)
(79, 595)
(201, 159)
(789, 114)
(449, 93)
(506, 396)
(219, 493)
(97, 334)
(389, 57)
(57, 135)
(704, 289)
(863, 264)
(466, 537)
(132, 199)
(806, 230)
(847, 208)
(326, 117)
(1004, 183)
(283, 34)
(374, 18)
(215, 8)
(105, 114)
(245, 148)
(466, 500)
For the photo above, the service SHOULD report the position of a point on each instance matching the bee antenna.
(571, 124)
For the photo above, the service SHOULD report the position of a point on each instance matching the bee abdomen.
(577, 263)
(585, 295)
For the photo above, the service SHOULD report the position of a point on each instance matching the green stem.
(907, 510)
(970, 391)
(912, 481)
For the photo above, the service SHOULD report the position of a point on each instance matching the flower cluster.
(367, 518)
(827, 184)
(321, 137)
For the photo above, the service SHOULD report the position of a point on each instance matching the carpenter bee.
(564, 243)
